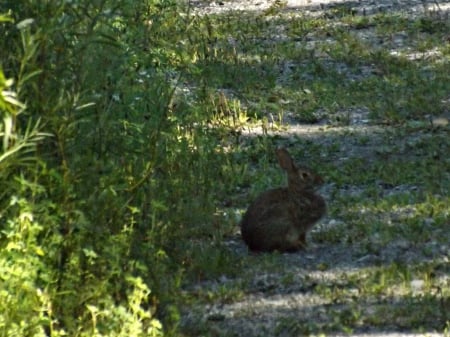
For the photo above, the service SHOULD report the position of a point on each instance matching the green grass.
(397, 84)
(163, 130)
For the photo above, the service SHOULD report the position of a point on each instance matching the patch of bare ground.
(322, 290)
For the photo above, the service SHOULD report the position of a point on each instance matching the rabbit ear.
(285, 160)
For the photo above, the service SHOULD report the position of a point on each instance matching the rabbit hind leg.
(290, 242)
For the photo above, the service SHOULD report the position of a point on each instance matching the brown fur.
(280, 218)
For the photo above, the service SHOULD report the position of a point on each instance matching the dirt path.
(317, 7)
(291, 294)
(297, 294)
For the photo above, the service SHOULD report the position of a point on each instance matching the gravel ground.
(316, 7)
(280, 302)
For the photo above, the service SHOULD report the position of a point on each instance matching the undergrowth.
(128, 155)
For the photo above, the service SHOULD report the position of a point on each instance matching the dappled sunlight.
(316, 7)
(301, 301)
(137, 133)
(345, 86)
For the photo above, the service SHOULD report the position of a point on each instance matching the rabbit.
(280, 218)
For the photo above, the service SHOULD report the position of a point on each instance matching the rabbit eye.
(305, 175)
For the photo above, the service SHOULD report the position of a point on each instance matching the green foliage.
(122, 149)
(24, 301)
(128, 172)
(112, 320)
(87, 239)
